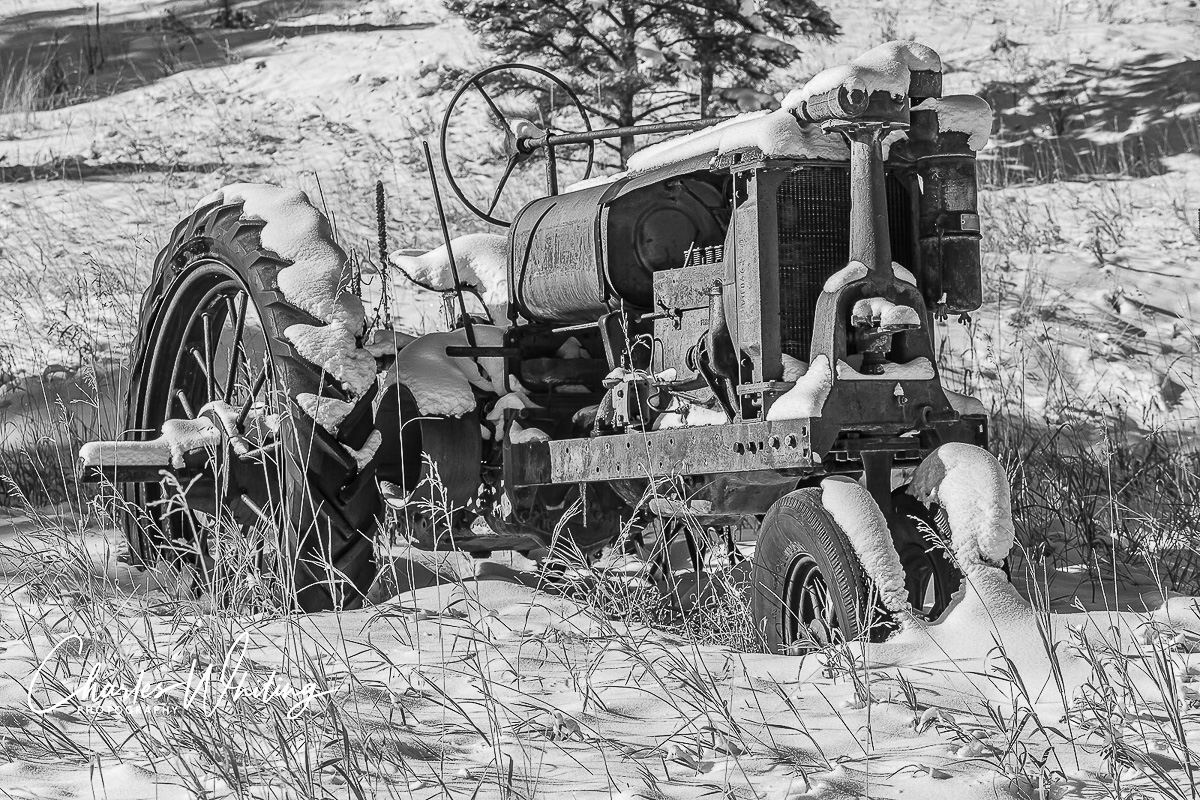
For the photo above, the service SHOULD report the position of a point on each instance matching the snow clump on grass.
(482, 262)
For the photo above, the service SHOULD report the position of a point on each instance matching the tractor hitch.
(184, 448)
(130, 462)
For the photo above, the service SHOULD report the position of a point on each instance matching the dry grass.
(301, 720)
(330, 707)
(22, 92)
(1105, 470)
(375, 727)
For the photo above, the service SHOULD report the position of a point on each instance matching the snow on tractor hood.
(886, 68)
(777, 134)
(780, 133)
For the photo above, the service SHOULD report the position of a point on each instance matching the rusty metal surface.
(923, 83)
(555, 273)
(701, 162)
(651, 230)
(687, 287)
(752, 303)
(674, 335)
(950, 267)
(949, 218)
(737, 447)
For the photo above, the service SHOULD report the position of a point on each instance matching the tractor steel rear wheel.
(809, 589)
(212, 339)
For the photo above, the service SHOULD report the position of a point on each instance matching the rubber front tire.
(325, 508)
(801, 554)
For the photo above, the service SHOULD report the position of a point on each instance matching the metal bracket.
(708, 450)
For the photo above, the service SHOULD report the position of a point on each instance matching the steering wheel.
(523, 138)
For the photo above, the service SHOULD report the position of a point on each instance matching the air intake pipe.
(719, 354)
(949, 206)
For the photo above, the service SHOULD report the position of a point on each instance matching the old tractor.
(747, 310)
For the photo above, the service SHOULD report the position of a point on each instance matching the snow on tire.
(971, 486)
(251, 287)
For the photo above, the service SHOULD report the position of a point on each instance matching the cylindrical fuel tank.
(555, 263)
(949, 215)
(577, 256)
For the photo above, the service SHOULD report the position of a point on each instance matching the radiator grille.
(814, 243)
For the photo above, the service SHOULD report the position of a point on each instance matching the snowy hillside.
(343, 95)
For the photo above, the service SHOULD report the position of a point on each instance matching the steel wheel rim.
(201, 316)
(807, 600)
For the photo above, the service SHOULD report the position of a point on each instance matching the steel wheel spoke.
(495, 109)
(183, 402)
(175, 391)
(508, 171)
(235, 357)
(199, 357)
(210, 369)
(207, 336)
(245, 410)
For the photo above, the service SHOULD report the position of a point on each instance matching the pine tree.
(628, 58)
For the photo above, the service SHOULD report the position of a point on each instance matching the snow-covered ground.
(483, 684)
(472, 682)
